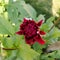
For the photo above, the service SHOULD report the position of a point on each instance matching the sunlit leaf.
(5, 26)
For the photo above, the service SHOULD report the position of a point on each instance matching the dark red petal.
(42, 42)
(42, 33)
(19, 32)
(40, 23)
(39, 40)
(29, 41)
(25, 20)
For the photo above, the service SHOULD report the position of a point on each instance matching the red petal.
(29, 41)
(19, 32)
(40, 23)
(39, 40)
(42, 42)
(42, 33)
(25, 20)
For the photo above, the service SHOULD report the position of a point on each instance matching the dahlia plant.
(30, 29)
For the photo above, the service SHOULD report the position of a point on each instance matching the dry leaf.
(54, 46)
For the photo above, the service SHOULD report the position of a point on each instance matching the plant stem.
(55, 23)
(9, 48)
(2, 48)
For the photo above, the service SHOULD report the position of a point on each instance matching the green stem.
(9, 48)
(55, 23)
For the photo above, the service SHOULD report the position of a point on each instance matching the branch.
(8, 48)
(55, 23)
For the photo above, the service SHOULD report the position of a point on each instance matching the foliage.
(14, 47)
(42, 7)
(59, 16)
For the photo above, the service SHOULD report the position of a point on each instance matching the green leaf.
(55, 54)
(48, 24)
(37, 47)
(28, 53)
(6, 27)
(45, 27)
(2, 9)
(50, 19)
(12, 13)
(20, 8)
(25, 51)
(25, 9)
(41, 17)
(12, 55)
(55, 32)
(8, 42)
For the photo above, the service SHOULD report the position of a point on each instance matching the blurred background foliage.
(42, 6)
(46, 7)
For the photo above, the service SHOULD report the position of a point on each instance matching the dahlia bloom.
(30, 29)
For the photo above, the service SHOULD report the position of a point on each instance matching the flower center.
(30, 30)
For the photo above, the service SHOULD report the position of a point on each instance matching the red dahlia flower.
(30, 29)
